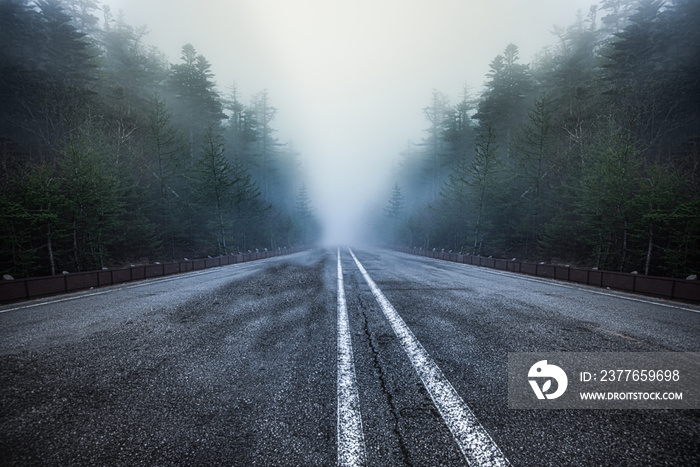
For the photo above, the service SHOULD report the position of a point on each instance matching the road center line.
(472, 438)
(351, 442)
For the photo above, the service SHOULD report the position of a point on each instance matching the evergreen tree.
(609, 185)
(435, 148)
(95, 171)
(93, 205)
(165, 150)
(483, 171)
(601, 169)
(458, 128)
(265, 154)
(394, 211)
(196, 102)
(534, 162)
(505, 100)
(453, 208)
(249, 210)
(616, 15)
(83, 18)
(214, 187)
(237, 136)
(304, 213)
(131, 74)
(41, 205)
(47, 72)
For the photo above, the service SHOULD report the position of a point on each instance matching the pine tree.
(394, 210)
(505, 100)
(454, 206)
(484, 170)
(436, 114)
(265, 152)
(196, 102)
(534, 166)
(304, 213)
(41, 207)
(165, 151)
(248, 209)
(610, 182)
(93, 202)
(214, 188)
(458, 129)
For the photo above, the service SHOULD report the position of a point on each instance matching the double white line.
(472, 438)
(351, 442)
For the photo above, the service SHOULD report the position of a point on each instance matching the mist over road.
(239, 365)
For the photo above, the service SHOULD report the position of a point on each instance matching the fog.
(349, 79)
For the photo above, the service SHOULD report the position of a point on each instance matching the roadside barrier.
(34, 287)
(665, 287)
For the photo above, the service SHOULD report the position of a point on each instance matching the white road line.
(114, 288)
(621, 294)
(351, 442)
(472, 438)
(583, 288)
(33, 305)
(76, 295)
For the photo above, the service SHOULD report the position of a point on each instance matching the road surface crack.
(374, 348)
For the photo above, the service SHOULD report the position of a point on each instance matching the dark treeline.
(112, 155)
(588, 155)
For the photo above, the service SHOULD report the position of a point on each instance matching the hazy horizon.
(349, 79)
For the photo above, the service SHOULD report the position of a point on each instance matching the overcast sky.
(350, 78)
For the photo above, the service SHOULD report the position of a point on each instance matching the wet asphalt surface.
(237, 366)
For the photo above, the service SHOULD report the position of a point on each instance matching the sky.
(350, 78)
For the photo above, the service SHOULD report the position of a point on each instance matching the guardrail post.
(673, 289)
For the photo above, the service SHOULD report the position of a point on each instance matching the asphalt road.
(239, 366)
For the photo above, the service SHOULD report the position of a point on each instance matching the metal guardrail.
(664, 287)
(35, 287)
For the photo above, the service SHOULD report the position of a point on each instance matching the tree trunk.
(50, 246)
(222, 231)
(624, 247)
(477, 247)
(649, 248)
(75, 245)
